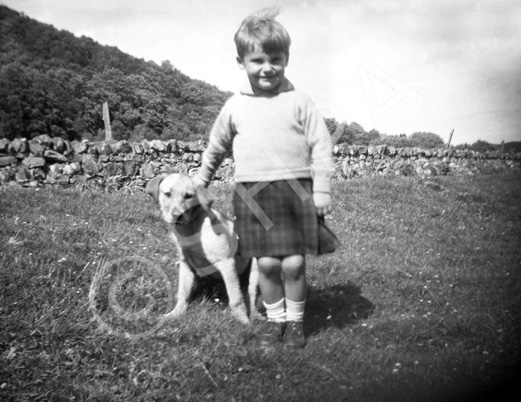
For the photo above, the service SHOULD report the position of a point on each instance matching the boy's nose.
(268, 68)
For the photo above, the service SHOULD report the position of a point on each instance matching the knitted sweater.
(273, 136)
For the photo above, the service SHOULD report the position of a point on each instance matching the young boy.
(283, 166)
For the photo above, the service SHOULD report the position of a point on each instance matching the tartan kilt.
(276, 218)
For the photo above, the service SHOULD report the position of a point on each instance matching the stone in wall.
(72, 168)
(33, 162)
(188, 157)
(90, 164)
(130, 168)
(38, 174)
(60, 145)
(59, 179)
(194, 146)
(36, 148)
(112, 169)
(121, 147)
(6, 160)
(44, 139)
(137, 148)
(22, 174)
(79, 147)
(147, 170)
(18, 146)
(225, 173)
(159, 146)
(53, 156)
(136, 158)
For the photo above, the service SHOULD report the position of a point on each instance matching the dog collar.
(193, 218)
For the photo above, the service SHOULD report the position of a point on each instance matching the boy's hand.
(199, 182)
(322, 203)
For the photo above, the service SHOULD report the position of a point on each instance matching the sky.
(395, 66)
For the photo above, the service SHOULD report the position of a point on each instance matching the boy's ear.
(239, 63)
(152, 188)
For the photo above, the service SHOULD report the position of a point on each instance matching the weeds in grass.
(421, 302)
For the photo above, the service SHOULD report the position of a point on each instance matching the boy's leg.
(294, 269)
(272, 290)
(270, 280)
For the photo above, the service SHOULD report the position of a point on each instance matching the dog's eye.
(189, 196)
(168, 194)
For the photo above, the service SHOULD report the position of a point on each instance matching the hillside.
(55, 83)
(52, 82)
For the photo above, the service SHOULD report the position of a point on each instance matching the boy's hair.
(261, 28)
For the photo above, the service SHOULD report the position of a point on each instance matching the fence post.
(450, 138)
(106, 120)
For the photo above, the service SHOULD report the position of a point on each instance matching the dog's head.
(178, 197)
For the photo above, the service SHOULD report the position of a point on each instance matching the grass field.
(421, 303)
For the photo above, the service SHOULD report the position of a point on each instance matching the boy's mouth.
(269, 79)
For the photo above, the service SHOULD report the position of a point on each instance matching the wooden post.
(106, 120)
(450, 138)
(502, 149)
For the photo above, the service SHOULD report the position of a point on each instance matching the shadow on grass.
(214, 290)
(335, 306)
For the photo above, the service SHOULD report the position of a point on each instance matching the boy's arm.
(220, 143)
(322, 165)
(319, 140)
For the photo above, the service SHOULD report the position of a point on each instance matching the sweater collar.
(285, 86)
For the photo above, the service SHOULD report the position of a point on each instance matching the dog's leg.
(253, 285)
(185, 283)
(233, 288)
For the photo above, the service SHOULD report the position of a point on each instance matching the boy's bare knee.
(269, 266)
(294, 266)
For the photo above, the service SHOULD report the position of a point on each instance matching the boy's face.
(264, 70)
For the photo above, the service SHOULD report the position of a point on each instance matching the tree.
(52, 82)
(427, 140)
(331, 124)
(483, 146)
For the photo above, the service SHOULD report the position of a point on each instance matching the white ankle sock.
(276, 311)
(295, 310)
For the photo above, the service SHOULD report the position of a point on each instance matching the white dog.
(206, 243)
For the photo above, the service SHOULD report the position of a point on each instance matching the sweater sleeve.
(319, 140)
(220, 143)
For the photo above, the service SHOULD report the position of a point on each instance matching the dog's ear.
(152, 188)
(204, 196)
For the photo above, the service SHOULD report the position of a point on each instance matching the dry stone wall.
(122, 165)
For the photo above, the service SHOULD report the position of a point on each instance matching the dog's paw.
(177, 312)
(241, 315)
(256, 316)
